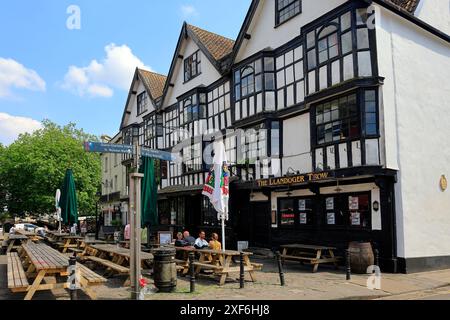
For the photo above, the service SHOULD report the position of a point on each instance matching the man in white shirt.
(201, 242)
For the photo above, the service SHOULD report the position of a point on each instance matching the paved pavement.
(301, 284)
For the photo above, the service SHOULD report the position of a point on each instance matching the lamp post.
(135, 218)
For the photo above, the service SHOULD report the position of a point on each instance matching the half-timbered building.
(333, 117)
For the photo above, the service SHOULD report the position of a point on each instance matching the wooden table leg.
(32, 289)
(316, 265)
(249, 265)
(10, 246)
(224, 275)
(336, 266)
(283, 255)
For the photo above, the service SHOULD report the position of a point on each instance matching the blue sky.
(48, 71)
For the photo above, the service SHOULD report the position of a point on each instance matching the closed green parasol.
(68, 200)
(149, 194)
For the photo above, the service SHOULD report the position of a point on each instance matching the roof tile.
(154, 81)
(217, 45)
(408, 5)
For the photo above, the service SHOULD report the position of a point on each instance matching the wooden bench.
(311, 254)
(257, 266)
(109, 264)
(17, 279)
(200, 265)
(89, 278)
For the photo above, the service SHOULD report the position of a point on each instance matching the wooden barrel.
(361, 256)
(164, 269)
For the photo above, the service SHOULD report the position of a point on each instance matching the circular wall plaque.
(443, 183)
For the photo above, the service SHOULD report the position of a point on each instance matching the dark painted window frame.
(139, 103)
(188, 76)
(321, 24)
(278, 10)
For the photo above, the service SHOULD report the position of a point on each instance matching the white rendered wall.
(435, 13)
(296, 144)
(132, 105)
(209, 73)
(266, 35)
(415, 104)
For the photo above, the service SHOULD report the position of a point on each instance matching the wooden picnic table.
(83, 242)
(13, 239)
(224, 262)
(221, 262)
(115, 259)
(69, 242)
(184, 261)
(119, 251)
(311, 254)
(42, 261)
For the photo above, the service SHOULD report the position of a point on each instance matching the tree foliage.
(33, 167)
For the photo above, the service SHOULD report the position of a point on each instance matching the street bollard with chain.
(192, 271)
(72, 278)
(280, 268)
(241, 275)
(347, 264)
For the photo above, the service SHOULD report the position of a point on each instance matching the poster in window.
(330, 203)
(173, 217)
(355, 218)
(303, 218)
(287, 219)
(301, 205)
(331, 218)
(353, 203)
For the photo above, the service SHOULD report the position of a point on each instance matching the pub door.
(260, 226)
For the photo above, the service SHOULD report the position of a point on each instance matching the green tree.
(33, 167)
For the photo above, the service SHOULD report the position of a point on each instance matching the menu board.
(353, 203)
(331, 218)
(301, 205)
(355, 218)
(303, 218)
(330, 203)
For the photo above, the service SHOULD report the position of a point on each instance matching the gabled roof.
(154, 84)
(215, 47)
(408, 5)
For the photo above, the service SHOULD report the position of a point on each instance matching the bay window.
(338, 50)
(254, 88)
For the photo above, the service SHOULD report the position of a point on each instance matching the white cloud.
(188, 10)
(12, 126)
(15, 75)
(99, 79)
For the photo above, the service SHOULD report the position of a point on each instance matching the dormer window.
(192, 66)
(286, 9)
(142, 103)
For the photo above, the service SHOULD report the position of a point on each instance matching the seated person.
(201, 242)
(179, 241)
(188, 238)
(214, 244)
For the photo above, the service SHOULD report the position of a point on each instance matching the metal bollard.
(377, 258)
(192, 271)
(242, 274)
(347, 264)
(280, 268)
(72, 278)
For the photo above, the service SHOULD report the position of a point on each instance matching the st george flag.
(217, 189)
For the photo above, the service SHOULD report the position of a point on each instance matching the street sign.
(127, 149)
(107, 147)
